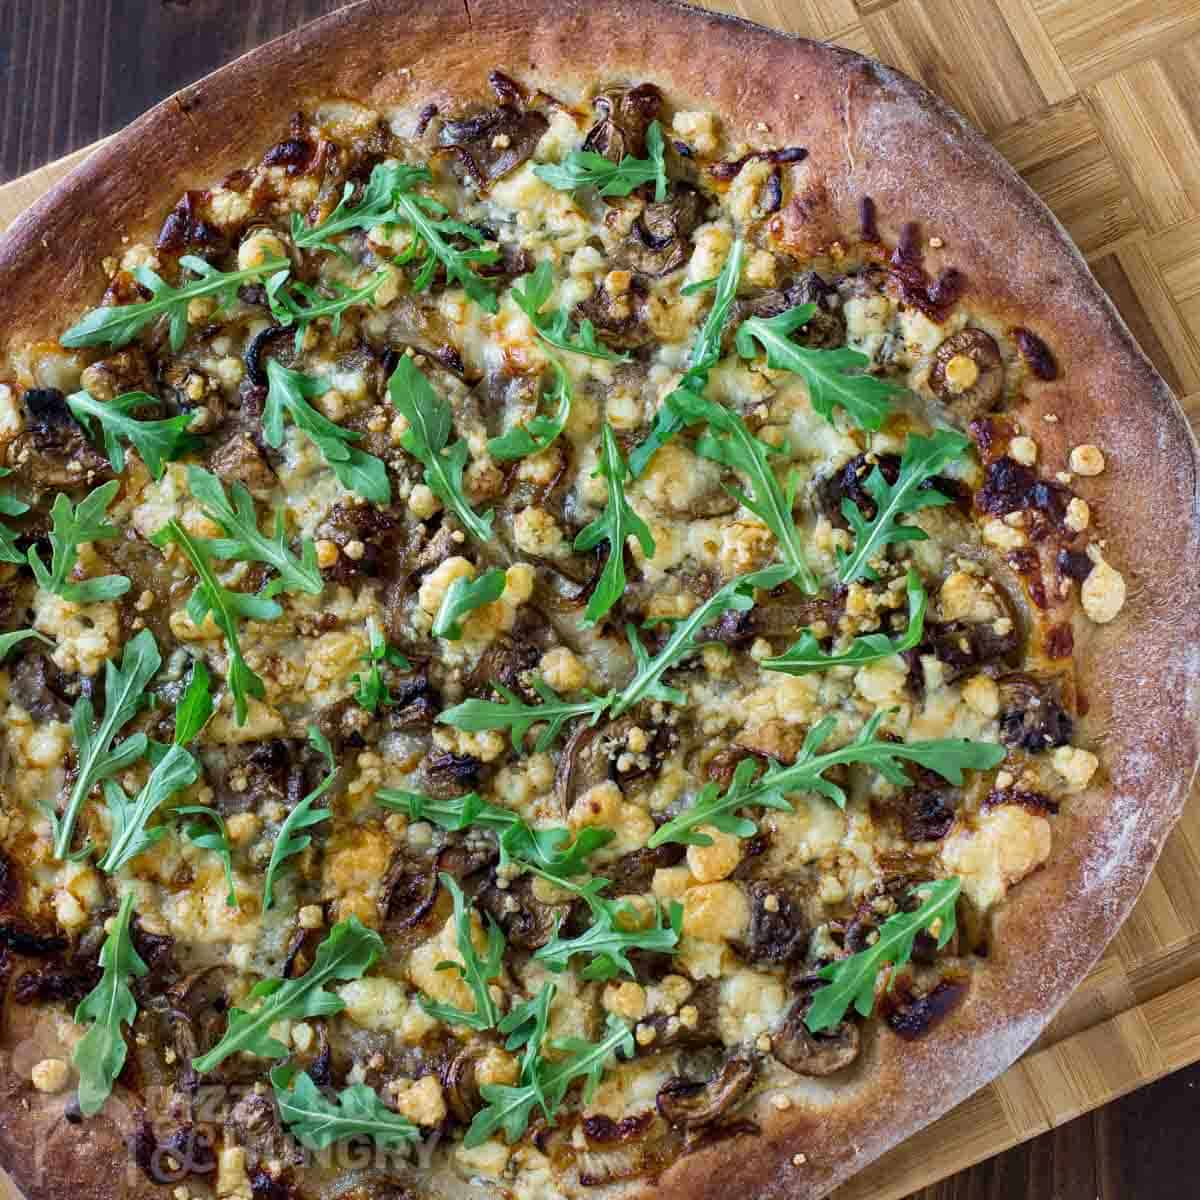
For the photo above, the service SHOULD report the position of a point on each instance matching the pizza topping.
(1036, 353)
(690, 1103)
(968, 373)
(814, 1052)
(1087, 460)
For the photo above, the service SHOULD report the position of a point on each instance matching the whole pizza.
(594, 601)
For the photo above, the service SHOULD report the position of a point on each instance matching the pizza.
(594, 601)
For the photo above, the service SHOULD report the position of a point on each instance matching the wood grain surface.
(1097, 103)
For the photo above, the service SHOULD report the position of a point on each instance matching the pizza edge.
(870, 131)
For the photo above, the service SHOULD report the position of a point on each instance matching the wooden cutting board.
(1097, 103)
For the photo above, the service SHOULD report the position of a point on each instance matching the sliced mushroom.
(824, 330)
(409, 891)
(526, 921)
(808, 1053)
(778, 931)
(632, 873)
(624, 116)
(239, 459)
(619, 321)
(582, 764)
(1031, 715)
(53, 451)
(490, 144)
(687, 1102)
(660, 240)
(968, 373)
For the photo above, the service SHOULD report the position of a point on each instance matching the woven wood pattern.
(1097, 104)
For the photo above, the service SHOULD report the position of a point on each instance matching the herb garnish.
(807, 656)
(119, 324)
(526, 1026)
(834, 377)
(853, 980)
(208, 839)
(16, 637)
(289, 392)
(347, 953)
(615, 525)
(245, 542)
(430, 423)
(289, 841)
(923, 458)
(71, 526)
(586, 168)
(317, 1122)
(10, 506)
(462, 598)
(96, 759)
(475, 969)
(287, 308)
(539, 431)
(949, 757)
(158, 442)
(554, 327)
(100, 1053)
(370, 690)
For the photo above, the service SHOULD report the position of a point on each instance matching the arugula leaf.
(10, 506)
(586, 168)
(853, 980)
(158, 442)
(370, 689)
(71, 526)
(347, 953)
(317, 1122)
(100, 1054)
(540, 431)
(615, 525)
(729, 442)
(289, 392)
(475, 969)
(217, 841)
(119, 324)
(550, 850)
(96, 759)
(834, 377)
(430, 423)
(527, 1024)
(226, 606)
(374, 207)
(509, 1109)
(949, 757)
(287, 308)
(288, 841)
(554, 327)
(247, 543)
(737, 594)
(513, 713)
(462, 597)
(701, 285)
(615, 930)
(705, 354)
(9, 640)
(807, 656)
(923, 458)
(195, 706)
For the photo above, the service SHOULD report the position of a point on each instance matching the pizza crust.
(869, 132)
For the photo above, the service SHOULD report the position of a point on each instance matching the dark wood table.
(72, 71)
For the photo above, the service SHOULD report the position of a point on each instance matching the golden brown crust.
(869, 132)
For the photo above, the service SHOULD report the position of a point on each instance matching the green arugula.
(554, 327)
(475, 969)
(526, 1027)
(701, 285)
(509, 1109)
(462, 597)
(685, 640)
(540, 431)
(118, 325)
(347, 953)
(226, 606)
(514, 714)
(16, 637)
(71, 526)
(550, 850)
(948, 757)
(96, 759)
(208, 839)
(374, 207)
(370, 689)
(100, 1054)
(729, 442)
(301, 304)
(430, 423)
(289, 841)
(586, 168)
(705, 354)
(289, 392)
(317, 1122)
(853, 980)
(615, 525)
(834, 377)
(923, 458)
(158, 442)
(195, 705)
(807, 656)
(10, 506)
(245, 542)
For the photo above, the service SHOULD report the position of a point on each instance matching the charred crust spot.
(868, 222)
(185, 229)
(1059, 641)
(729, 170)
(294, 154)
(1034, 802)
(1036, 353)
